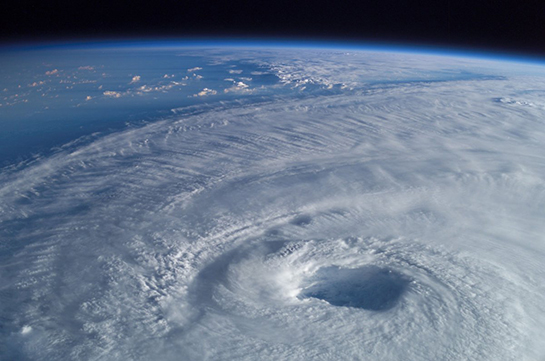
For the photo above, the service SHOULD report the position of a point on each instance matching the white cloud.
(235, 71)
(37, 83)
(158, 88)
(87, 67)
(239, 87)
(135, 79)
(112, 94)
(205, 92)
(26, 329)
(191, 70)
(52, 72)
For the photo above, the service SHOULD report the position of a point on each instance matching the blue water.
(35, 118)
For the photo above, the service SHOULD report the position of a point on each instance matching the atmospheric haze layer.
(293, 204)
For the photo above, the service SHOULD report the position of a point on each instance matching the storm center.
(370, 288)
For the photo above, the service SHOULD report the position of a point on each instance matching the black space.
(500, 25)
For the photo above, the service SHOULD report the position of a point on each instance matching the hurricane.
(287, 204)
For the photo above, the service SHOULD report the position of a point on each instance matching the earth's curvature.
(211, 202)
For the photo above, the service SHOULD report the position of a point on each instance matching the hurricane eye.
(369, 288)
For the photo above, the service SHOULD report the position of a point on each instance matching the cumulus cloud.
(37, 83)
(112, 94)
(135, 79)
(239, 87)
(205, 92)
(52, 72)
(160, 88)
(192, 70)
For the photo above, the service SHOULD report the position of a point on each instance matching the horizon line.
(273, 42)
